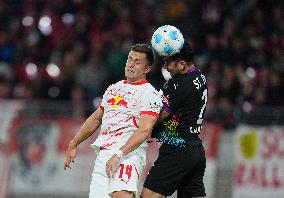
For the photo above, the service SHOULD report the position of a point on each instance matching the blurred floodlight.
(68, 19)
(247, 107)
(53, 91)
(27, 21)
(44, 25)
(44, 21)
(250, 72)
(97, 102)
(31, 70)
(166, 74)
(53, 70)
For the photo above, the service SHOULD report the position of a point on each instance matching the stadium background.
(57, 58)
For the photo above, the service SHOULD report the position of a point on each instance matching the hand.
(70, 156)
(111, 165)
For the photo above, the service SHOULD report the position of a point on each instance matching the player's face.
(136, 67)
(173, 67)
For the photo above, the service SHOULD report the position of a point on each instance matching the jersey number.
(204, 97)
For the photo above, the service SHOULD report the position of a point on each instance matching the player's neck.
(135, 81)
(188, 69)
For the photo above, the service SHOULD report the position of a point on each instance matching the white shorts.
(127, 177)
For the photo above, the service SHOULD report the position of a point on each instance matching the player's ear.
(182, 64)
(148, 69)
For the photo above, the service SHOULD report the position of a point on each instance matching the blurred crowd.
(73, 49)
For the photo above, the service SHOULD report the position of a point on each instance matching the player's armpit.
(163, 115)
(97, 116)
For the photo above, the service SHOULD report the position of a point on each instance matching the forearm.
(85, 131)
(88, 128)
(135, 140)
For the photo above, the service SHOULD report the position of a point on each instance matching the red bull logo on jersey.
(117, 101)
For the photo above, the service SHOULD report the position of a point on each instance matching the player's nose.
(131, 64)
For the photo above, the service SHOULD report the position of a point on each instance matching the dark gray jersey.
(185, 98)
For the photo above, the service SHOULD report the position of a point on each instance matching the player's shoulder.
(190, 76)
(197, 72)
(119, 83)
(177, 83)
(186, 82)
(149, 86)
(149, 89)
(114, 86)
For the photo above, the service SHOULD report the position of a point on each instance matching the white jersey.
(123, 103)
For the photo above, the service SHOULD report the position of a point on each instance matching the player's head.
(178, 63)
(139, 62)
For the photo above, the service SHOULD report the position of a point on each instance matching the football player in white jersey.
(127, 114)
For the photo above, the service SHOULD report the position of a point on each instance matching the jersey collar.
(136, 83)
(191, 69)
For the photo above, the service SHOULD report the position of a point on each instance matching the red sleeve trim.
(102, 108)
(150, 113)
(135, 122)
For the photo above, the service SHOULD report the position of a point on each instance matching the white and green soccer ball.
(167, 40)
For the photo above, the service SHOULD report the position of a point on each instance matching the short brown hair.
(146, 49)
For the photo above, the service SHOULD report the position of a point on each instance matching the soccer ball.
(167, 40)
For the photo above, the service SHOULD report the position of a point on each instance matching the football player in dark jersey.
(181, 162)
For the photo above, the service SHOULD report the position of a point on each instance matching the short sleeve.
(151, 103)
(104, 100)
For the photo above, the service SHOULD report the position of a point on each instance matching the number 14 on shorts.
(126, 172)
